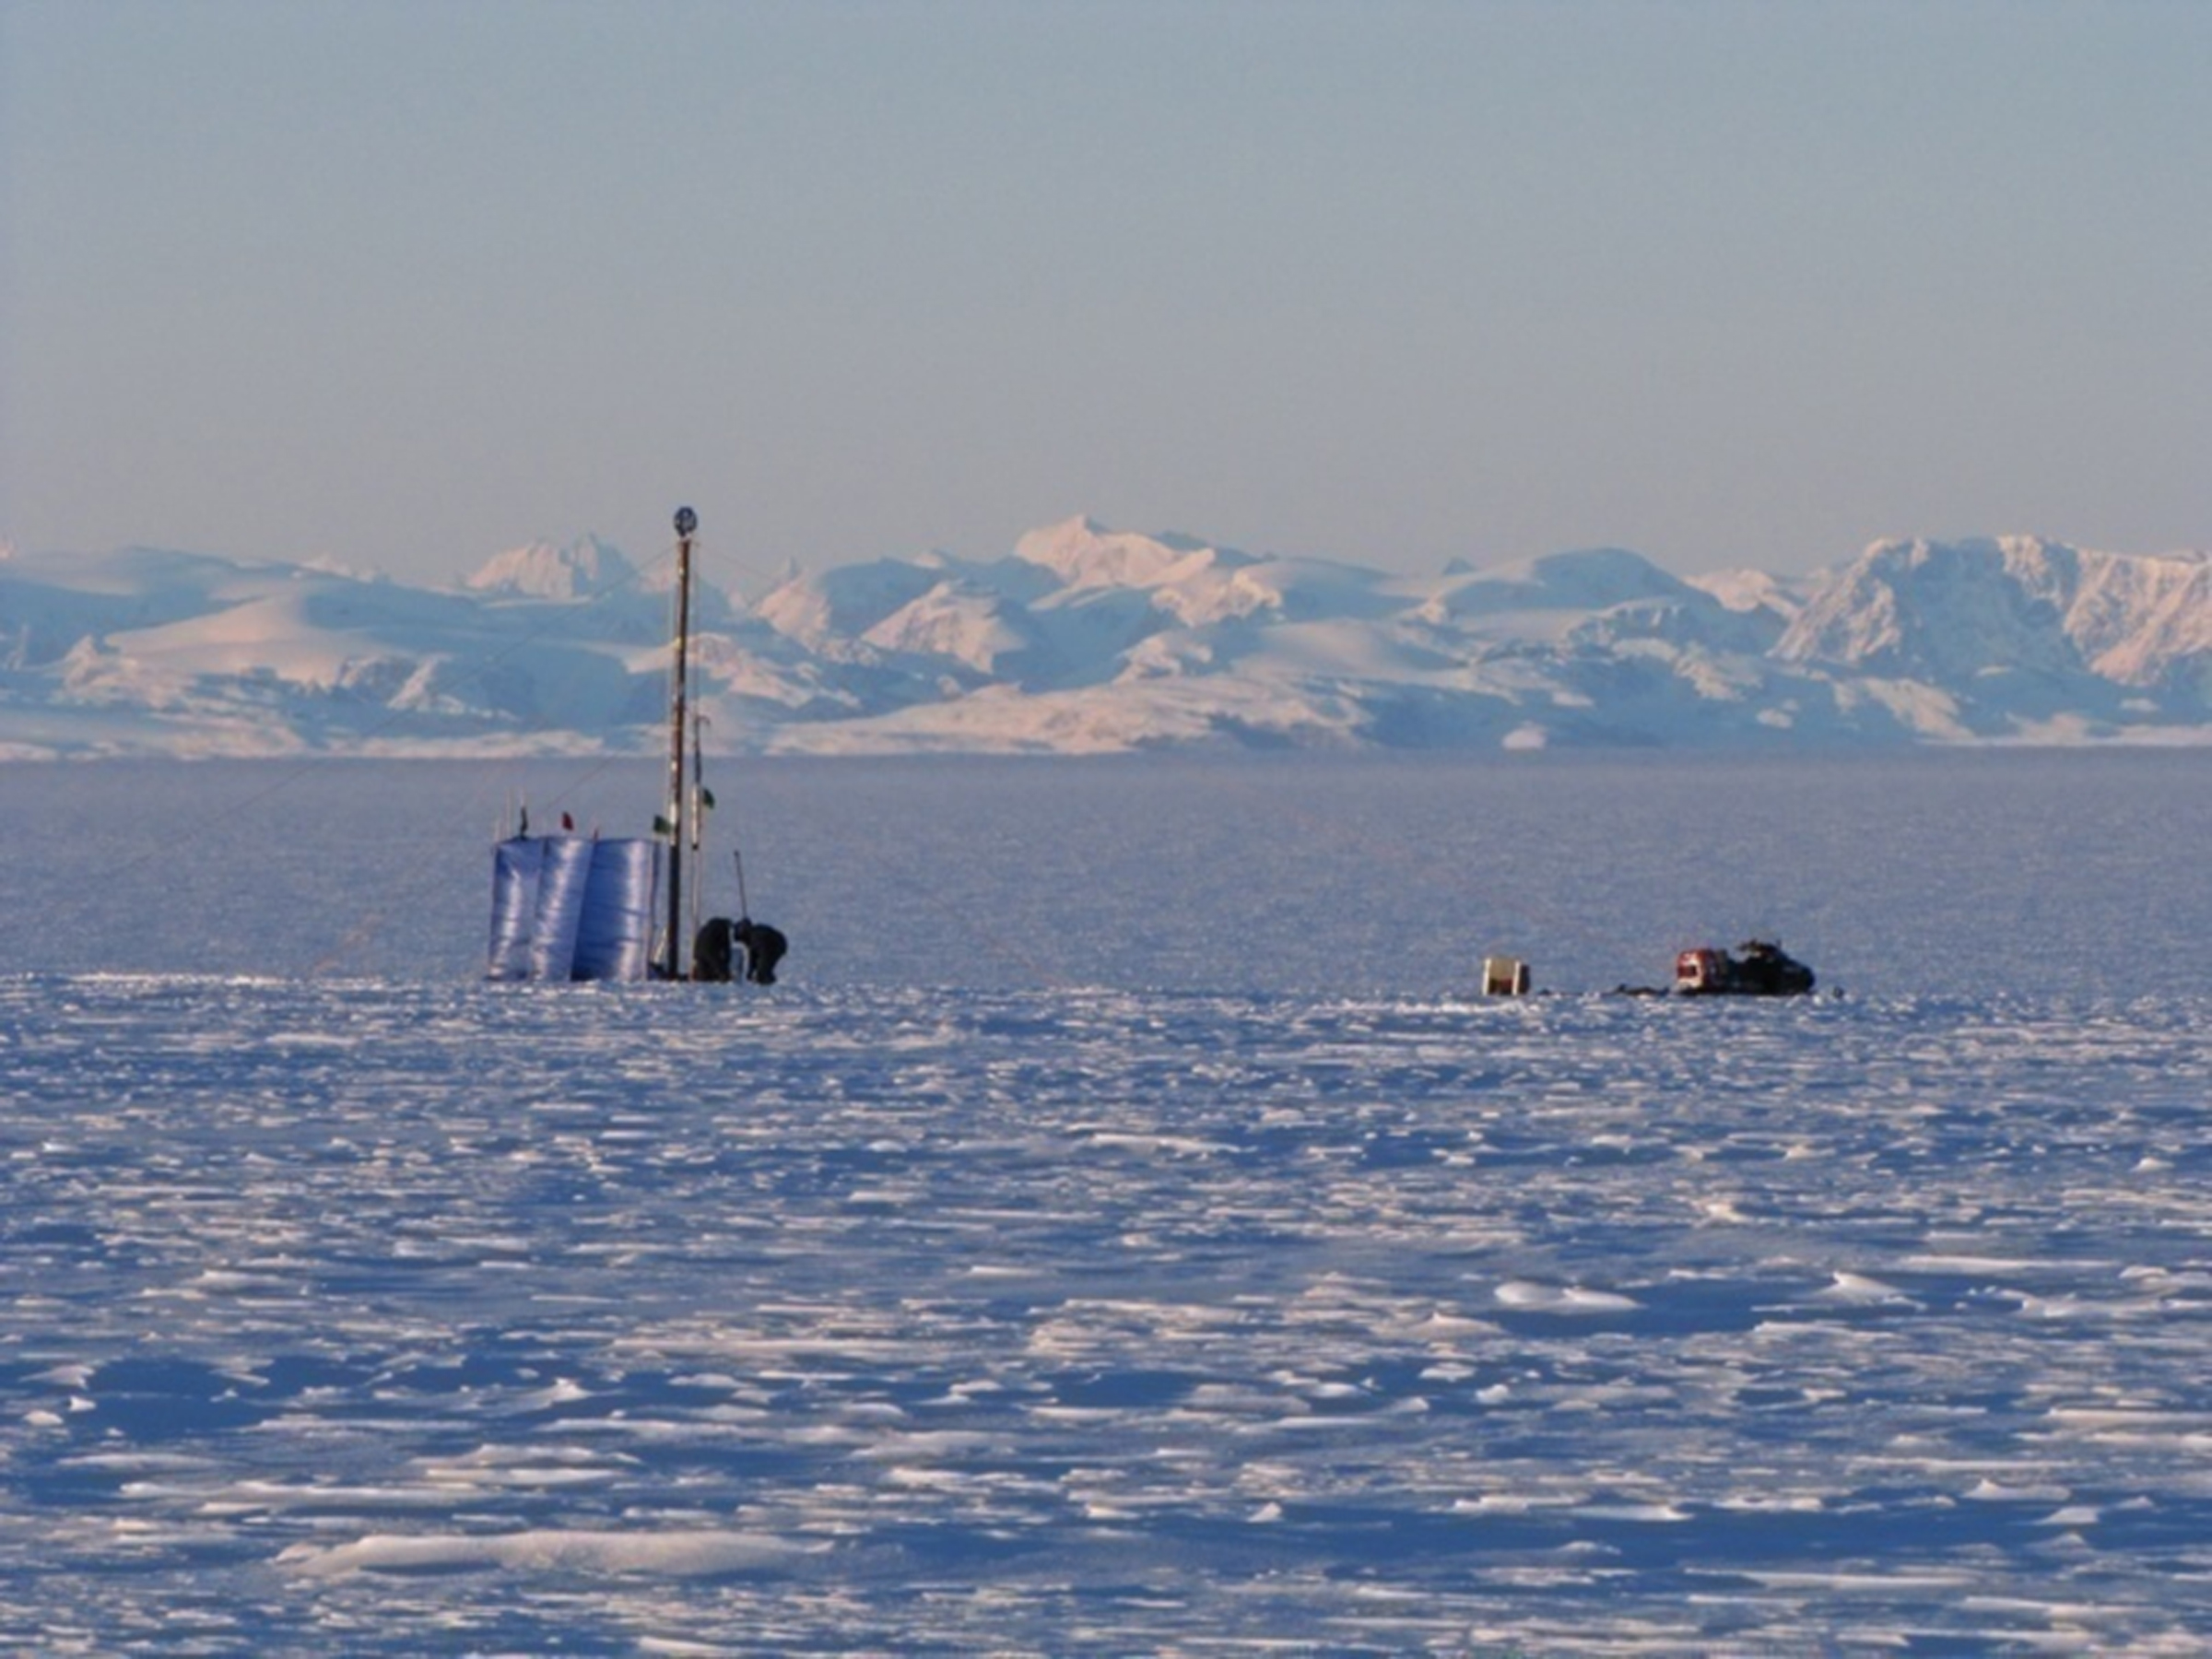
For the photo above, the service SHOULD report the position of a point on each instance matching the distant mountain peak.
(1955, 612)
(1084, 553)
(577, 570)
(1589, 579)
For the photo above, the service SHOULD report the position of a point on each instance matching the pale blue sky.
(404, 283)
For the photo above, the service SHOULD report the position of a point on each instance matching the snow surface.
(1214, 1274)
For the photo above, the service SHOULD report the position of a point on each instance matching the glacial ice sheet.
(383, 1319)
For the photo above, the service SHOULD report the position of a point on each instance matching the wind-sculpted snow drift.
(1085, 640)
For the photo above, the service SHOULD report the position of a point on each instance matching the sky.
(404, 283)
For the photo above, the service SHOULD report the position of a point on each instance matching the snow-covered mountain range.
(1085, 640)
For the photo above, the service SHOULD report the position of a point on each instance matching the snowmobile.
(1760, 968)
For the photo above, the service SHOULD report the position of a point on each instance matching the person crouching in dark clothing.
(764, 947)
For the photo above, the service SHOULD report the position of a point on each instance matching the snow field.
(388, 1317)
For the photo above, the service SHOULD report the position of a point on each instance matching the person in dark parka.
(712, 951)
(764, 947)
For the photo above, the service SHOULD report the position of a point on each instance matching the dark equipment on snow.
(1759, 969)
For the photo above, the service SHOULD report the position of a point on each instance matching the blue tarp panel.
(568, 907)
(560, 885)
(614, 936)
(514, 870)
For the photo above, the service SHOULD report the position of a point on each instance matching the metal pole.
(698, 817)
(685, 522)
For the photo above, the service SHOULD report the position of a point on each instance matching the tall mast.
(687, 522)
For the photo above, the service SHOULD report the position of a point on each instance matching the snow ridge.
(1086, 639)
